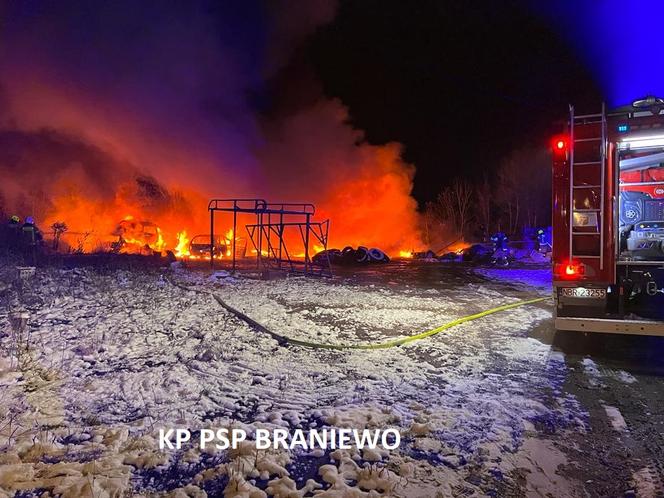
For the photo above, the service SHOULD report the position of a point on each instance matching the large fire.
(140, 140)
(143, 217)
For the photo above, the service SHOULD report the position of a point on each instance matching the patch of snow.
(625, 377)
(117, 356)
(616, 418)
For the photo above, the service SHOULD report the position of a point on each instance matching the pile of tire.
(349, 256)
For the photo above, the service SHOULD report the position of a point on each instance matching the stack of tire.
(352, 257)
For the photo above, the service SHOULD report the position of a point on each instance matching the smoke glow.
(146, 111)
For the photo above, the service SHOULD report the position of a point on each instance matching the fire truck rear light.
(559, 144)
(572, 270)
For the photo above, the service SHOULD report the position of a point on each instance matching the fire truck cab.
(608, 221)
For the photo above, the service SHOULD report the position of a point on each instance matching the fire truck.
(608, 220)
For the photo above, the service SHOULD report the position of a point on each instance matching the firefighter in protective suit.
(11, 233)
(31, 239)
(14, 221)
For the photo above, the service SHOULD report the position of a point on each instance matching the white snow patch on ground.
(616, 418)
(625, 377)
(116, 356)
(592, 372)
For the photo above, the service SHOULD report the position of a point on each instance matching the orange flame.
(363, 189)
(457, 247)
(313, 250)
(182, 247)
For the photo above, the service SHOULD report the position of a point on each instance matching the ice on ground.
(115, 356)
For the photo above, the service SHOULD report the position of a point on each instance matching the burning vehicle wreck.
(200, 246)
(139, 236)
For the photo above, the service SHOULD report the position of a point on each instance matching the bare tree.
(484, 204)
(458, 202)
(452, 207)
(437, 227)
(507, 193)
(451, 212)
(523, 192)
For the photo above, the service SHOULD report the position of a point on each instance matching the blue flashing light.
(628, 63)
(623, 128)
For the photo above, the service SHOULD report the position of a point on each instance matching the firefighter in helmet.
(14, 223)
(12, 232)
(31, 234)
(31, 238)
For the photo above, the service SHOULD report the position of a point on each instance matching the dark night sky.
(460, 84)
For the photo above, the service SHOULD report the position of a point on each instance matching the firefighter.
(31, 233)
(12, 231)
(14, 223)
(540, 241)
(31, 238)
(501, 252)
(499, 240)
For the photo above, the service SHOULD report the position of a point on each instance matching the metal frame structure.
(272, 219)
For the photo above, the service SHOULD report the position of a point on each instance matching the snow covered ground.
(116, 355)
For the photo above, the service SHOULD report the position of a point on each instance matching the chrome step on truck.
(608, 221)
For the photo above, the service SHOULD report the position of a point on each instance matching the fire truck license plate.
(583, 292)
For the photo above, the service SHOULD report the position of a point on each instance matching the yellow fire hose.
(416, 337)
(284, 340)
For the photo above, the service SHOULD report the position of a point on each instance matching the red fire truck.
(608, 221)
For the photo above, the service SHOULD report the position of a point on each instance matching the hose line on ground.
(422, 335)
(284, 340)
